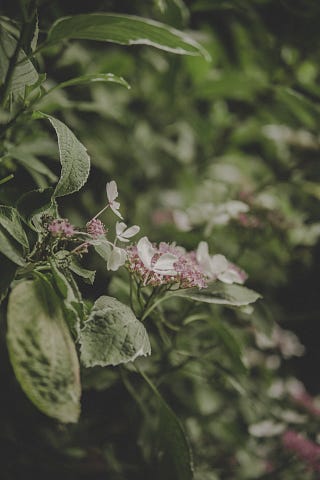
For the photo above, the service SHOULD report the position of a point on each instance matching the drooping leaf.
(72, 302)
(10, 221)
(42, 352)
(126, 30)
(221, 293)
(231, 343)
(8, 270)
(31, 162)
(10, 248)
(74, 159)
(112, 335)
(24, 73)
(175, 459)
(33, 203)
(84, 273)
(92, 78)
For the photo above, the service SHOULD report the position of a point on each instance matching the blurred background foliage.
(226, 150)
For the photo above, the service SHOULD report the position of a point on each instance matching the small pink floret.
(61, 227)
(95, 228)
(188, 273)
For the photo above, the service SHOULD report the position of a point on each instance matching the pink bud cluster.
(303, 448)
(61, 227)
(187, 271)
(95, 228)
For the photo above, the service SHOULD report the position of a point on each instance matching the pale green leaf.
(42, 352)
(10, 221)
(220, 293)
(31, 162)
(112, 335)
(24, 73)
(74, 159)
(126, 30)
(10, 248)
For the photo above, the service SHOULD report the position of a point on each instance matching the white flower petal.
(115, 208)
(218, 264)
(117, 259)
(202, 253)
(145, 251)
(112, 191)
(131, 231)
(120, 228)
(164, 264)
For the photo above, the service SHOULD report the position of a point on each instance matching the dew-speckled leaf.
(24, 73)
(10, 221)
(112, 335)
(75, 161)
(126, 30)
(221, 293)
(42, 352)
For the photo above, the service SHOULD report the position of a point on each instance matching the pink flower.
(95, 228)
(217, 267)
(303, 448)
(61, 227)
(164, 264)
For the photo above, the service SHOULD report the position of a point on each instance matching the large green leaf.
(74, 159)
(24, 73)
(112, 335)
(126, 30)
(174, 454)
(42, 352)
(10, 221)
(221, 293)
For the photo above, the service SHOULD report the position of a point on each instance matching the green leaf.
(24, 73)
(10, 248)
(231, 343)
(87, 275)
(112, 335)
(10, 221)
(8, 270)
(42, 352)
(92, 78)
(33, 203)
(73, 157)
(220, 293)
(126, 30)
(173, 447)
(31, 162)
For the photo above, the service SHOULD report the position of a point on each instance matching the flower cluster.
(155, 265)
(61, 227)
(303, 448)
(165, 264)
(171, 264)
